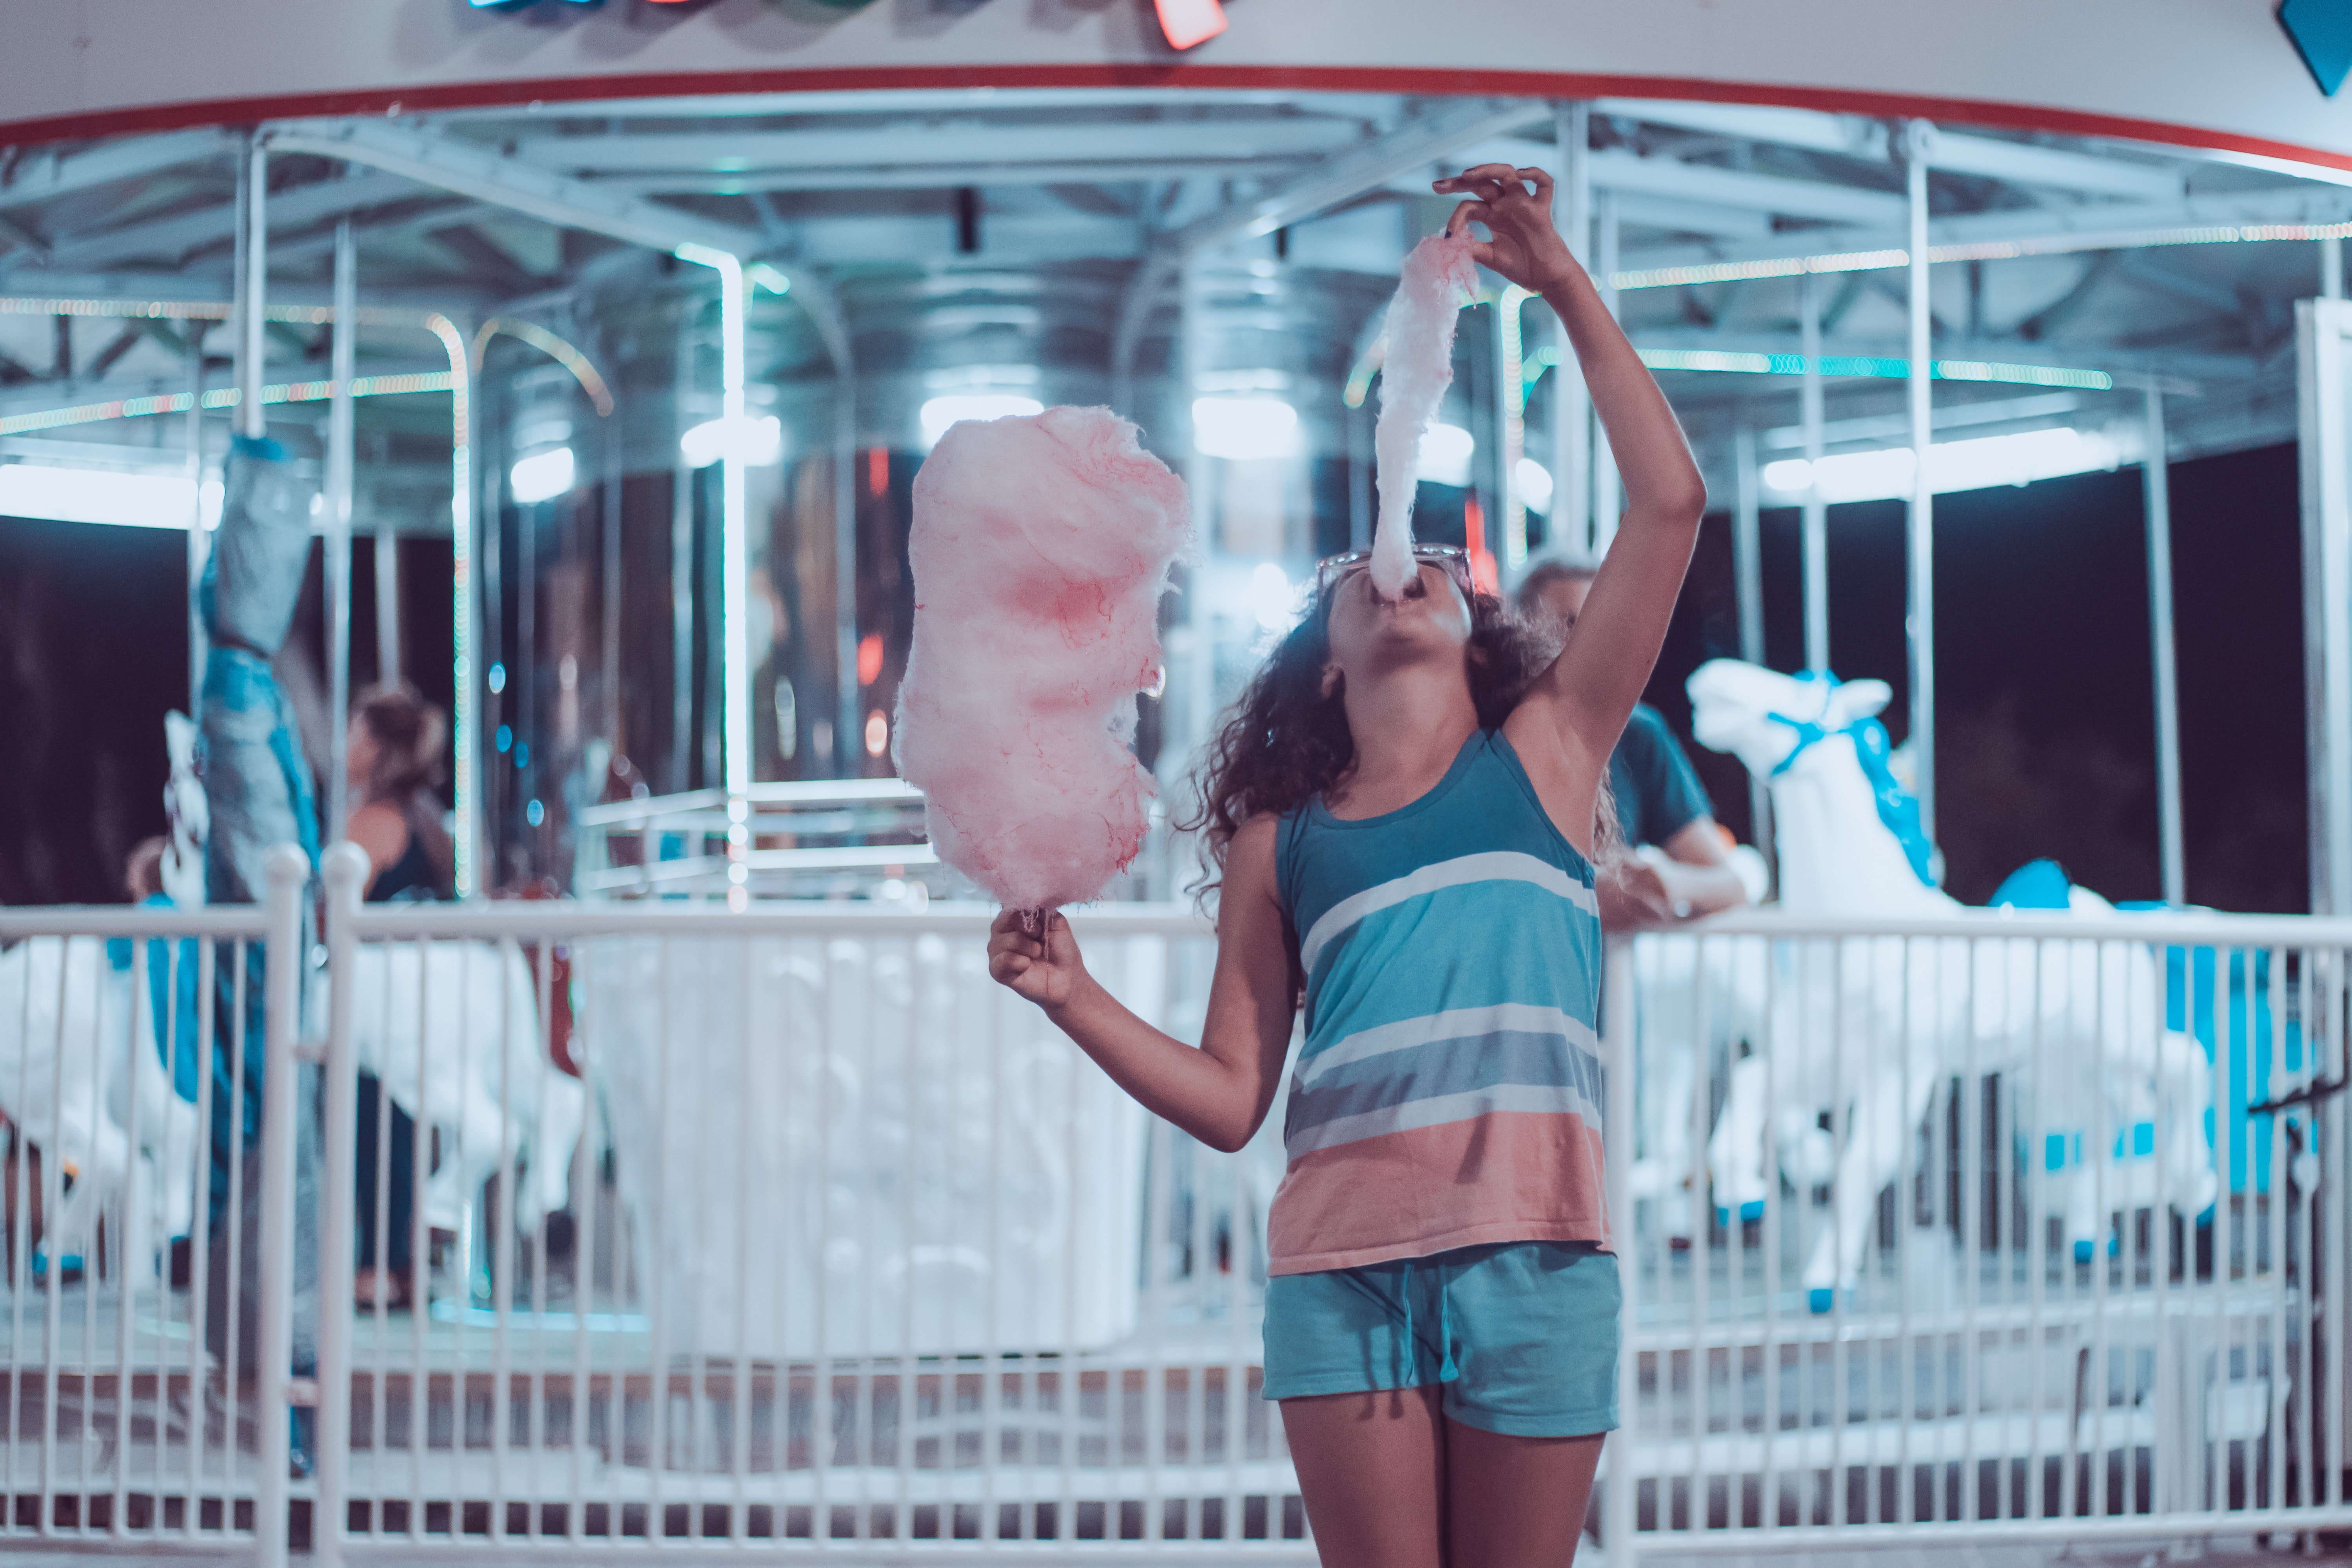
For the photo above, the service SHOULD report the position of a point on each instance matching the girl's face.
(1370, 632)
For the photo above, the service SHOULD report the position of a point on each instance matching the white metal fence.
(143, 1398)
(2017, 1225)
(833, 1247)
(852, 1251)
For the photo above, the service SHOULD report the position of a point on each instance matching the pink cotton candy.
(1439, 278)
(1041, 546)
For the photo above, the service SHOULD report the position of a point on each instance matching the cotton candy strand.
(1041, 545)
(1439, 278)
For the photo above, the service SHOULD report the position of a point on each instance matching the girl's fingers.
(1488, 174)
(1542, 182)
(1462, 215)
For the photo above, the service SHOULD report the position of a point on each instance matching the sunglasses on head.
(1451, 558)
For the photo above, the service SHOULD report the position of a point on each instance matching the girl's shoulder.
(379, 829)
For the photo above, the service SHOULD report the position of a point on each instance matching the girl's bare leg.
(1372, 1469)
(1514, 1502)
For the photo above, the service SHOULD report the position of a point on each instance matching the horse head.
(1776, 725)
(1766, 718)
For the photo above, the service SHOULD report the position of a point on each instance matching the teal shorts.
(1522, 1337)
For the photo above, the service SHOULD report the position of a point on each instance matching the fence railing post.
(346, 874)
(1617, 1141)
(288, 872)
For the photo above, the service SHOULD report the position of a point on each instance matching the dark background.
(2046, 736)
(2046, 745)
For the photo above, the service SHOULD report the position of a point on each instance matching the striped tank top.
(1450, 1091)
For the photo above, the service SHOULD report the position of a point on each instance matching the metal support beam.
(2324, 368)
(1510, 423)
(1852, 136)
(1415, 144)
(174, 237)
(253, 289)
(200, 541)
(341, 431)
(2331, 268)
(948, 150)
(682, 575)
(1197, 708)
(832, 324)
(1748, 580)
(1571, 401)
(734, 567)
(1606, 504)
(1816, 526)
(388, 603)
(1918, 142)
(465, 670)
(510, 182)
(39, 178)
(1815, 199)
(609, 597)
(2156, 491)
(845, 576)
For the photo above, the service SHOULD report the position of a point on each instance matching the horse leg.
(1877, 1138)
(2185, 1096)
(1736, 1154)
(1669, 1162)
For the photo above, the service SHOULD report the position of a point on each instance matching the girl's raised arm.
(1591, 688)
(1220, 1092)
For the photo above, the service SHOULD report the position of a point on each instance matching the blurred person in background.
(1660, 804)
(392, 763)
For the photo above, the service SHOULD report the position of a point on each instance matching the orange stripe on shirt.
(1504, 1176)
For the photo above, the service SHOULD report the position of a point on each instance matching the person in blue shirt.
(1658, 798)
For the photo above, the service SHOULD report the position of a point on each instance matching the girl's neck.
(1408, 726)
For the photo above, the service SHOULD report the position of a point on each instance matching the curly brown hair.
(1285, 742)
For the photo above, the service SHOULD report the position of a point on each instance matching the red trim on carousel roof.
(1426, 81)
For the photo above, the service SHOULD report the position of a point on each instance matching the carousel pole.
(734, 580)
(388, 603)
(1607, 494)
(199, 537)
(1918, 142)
(1510, 424)
(340, 434)
(734, 562)
(468, 675)
(1572, 405)
(253, 289)
(1190, 353)
(611, 606)
(1816, 511)
(2157, 490)
(1747, 575)
(847, 729)
(682, 575)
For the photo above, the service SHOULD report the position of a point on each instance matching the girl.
(393, 761)
(1402, 811)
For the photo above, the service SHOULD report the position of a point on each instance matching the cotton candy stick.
(1439, 278)
(1041, 546)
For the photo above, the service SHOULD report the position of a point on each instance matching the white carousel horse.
(81, 1078)
(452, 1028)
(1868, 1027)
(69, 1078)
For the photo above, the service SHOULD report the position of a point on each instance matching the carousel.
(569, 368)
